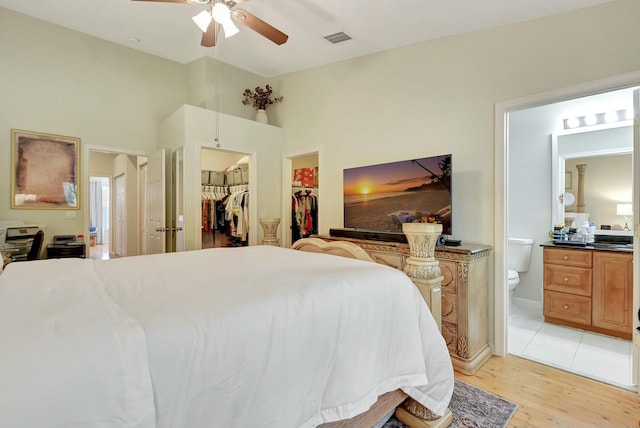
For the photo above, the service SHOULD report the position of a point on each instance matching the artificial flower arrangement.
(260, 98)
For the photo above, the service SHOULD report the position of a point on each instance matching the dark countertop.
(597, 246)
(464, 248)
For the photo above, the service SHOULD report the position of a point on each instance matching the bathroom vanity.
(589, 287)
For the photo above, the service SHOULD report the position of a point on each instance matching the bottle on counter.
(591, 233)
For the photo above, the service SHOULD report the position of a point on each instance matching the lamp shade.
(222, 15)
(202, 20)
(624, 209)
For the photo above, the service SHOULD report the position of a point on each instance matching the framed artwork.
(567, 180)
(44, 171)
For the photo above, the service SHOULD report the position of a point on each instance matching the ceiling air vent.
(338, 37)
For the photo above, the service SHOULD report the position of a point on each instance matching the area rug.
(473, 408)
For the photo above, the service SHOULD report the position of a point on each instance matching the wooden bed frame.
(408, 411)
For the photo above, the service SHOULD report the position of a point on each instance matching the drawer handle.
(566, 257)
(566, 279)
(566, 307)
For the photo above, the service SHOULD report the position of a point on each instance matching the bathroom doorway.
(525, 151)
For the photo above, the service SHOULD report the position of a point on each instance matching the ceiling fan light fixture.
(222, 15)
(202, 20)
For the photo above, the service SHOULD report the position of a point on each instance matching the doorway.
(225, 198)
(301, 196)
(99, 217)
(517, 195)
(114, 189)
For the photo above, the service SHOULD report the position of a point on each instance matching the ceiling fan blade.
(165, 1)
(210, 38)
(259, 26)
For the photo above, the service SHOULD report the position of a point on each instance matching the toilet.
(519, 257)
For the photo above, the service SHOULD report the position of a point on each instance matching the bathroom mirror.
(595, 166)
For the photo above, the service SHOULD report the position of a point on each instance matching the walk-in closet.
(224, 198)
(304, 196)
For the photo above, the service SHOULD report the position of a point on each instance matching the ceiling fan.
(220, 13)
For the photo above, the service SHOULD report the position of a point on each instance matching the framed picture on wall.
(567, 180)
(44, 171)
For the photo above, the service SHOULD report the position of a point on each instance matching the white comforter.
(244, 337)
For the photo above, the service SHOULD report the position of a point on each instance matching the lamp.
(202, 20)
(625, 210)
(221, 14)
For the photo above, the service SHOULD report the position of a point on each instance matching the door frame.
(119, 248)
(253, 186)
(287, 174)
(501, 159)
(111, 184)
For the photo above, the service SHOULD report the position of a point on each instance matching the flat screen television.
(382, 197)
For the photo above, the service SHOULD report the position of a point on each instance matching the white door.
(120, 234)
(636, 239)
(142, 196)
(178, 200)
(155, 221)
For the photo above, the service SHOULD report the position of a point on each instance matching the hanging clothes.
(304, 213)
(213, 219)
(237, 213)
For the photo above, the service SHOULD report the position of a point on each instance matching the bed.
(256, 336)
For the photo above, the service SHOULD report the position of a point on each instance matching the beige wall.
(439, 97)
(422, 100)
(101, 164)
(63, 82)
(218, 160)
(205, 76)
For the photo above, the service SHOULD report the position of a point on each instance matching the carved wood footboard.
(408, 411)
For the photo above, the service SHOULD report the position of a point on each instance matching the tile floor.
(600, 357)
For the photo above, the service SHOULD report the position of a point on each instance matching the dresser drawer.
(449, 307)
(567, 307)
(450, 334)
(449, 273)
(567, 257)
(568, 279)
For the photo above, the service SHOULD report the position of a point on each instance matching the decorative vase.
(270, 228)
(261, 116)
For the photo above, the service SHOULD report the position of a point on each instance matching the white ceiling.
(166, 29)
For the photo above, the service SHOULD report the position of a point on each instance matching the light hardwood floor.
(549, 397)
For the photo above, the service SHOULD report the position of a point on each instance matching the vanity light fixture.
(628, 114)
(625, 210)
(591, 119)
(611, 116)
(598, 118)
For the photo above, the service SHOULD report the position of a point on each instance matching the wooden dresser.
(465, 318)
(589, 289)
